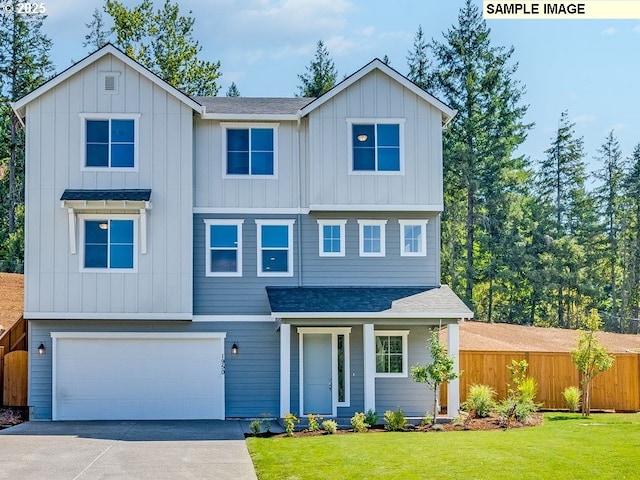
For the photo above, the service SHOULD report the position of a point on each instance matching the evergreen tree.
(163, 41)
(631, 238)
(480, 169)
(320, 75)
(418, 61)
(24, 65)
(98, 35)
(609, 198)
(233, 91)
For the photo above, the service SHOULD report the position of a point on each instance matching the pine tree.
(418, 61)
(476, 78)
(631, 237)
(24, 65)
(321, 74)
(163, 42)
(233, 91)
(98, 35)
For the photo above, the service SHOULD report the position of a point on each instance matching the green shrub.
(330, 426)
(371, 417)
(290, 421)
(520, 403)
(395, 421)
(481, 399)
(313, 422)
(427, 419)
(572, 397)
(358, 423)
(255, 427)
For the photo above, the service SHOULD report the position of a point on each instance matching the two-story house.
(231, 257)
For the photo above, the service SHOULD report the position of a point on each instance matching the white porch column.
(453, 349)
(285, 369)
(369, 350)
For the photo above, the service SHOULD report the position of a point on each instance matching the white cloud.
(607, 32)
(616, 127)
(584, 118)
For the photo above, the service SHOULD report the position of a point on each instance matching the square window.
(110, 143)
(224, 248)
(391, 353)
(372, 238)
(109, 244)
(275, 250)
(376, 147)
(413, 242)
(250, 151)
(331, 238)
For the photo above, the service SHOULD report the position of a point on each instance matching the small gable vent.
(109, 82)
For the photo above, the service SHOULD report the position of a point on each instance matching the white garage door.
(137, 376)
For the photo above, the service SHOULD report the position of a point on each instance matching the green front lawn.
(567, 446)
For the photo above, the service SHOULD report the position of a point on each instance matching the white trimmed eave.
(432, 315)
(250, 117)
(106, 316)
(447, 112)
(20, 106)
(373, 208)
(74, 207)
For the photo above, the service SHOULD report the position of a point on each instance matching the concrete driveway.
(209, 449)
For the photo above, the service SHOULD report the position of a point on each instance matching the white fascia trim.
(251, 210)
(233, 318)
(105, 316)
(250, 117)
(374, 208)
(338, 330)
(138, 335)
(331, 223)
(454, 316)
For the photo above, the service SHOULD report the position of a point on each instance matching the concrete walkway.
(208, 449)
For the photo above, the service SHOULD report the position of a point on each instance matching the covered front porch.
(350, 349)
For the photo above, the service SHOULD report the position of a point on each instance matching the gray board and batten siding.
(246, 295)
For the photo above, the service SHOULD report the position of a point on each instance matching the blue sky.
(588, 67)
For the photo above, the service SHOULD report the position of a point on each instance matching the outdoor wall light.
(41, 349)
(234, 348)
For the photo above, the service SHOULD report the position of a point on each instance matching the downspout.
(299, 230)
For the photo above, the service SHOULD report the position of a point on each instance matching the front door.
(318, 370)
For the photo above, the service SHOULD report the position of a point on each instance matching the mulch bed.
(489, 423)
(10, 416)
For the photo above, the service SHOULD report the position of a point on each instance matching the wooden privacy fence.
(15, 378)
(616, 389)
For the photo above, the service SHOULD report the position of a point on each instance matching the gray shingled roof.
(337, 299)
(247, 105)
(139, 195)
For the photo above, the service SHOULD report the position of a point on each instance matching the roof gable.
(19, 106)
(447, 112)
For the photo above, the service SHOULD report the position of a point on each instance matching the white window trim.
(284, 222)
(381, 224)
(374, 121)
(95, 216)
(334, 332)
(423, 237)
(208, 223)
(332, 223)
(405, 352)
(233, 125)
(109, 116)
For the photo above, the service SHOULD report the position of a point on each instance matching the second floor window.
(224, 248)
(250, 151)
(110, 143)
(275, 248)
(372, 238)
(376, 147)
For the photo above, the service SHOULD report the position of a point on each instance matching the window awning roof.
(134, 195)
(363, 302)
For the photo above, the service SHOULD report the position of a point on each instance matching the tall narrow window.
(275, 248)
(224, 248)
(331, 238)
(372, 238)
(250, 151)
(110, 143)
(109, 244)
(413, 238)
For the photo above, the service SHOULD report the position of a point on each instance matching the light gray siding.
(214, 189)
(415, 399)
(375, 96)
(53, 281)
(252, 381)
(246, 295)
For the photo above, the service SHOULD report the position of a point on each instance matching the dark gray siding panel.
(252, 382)
(246, 295)
(415, 399)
